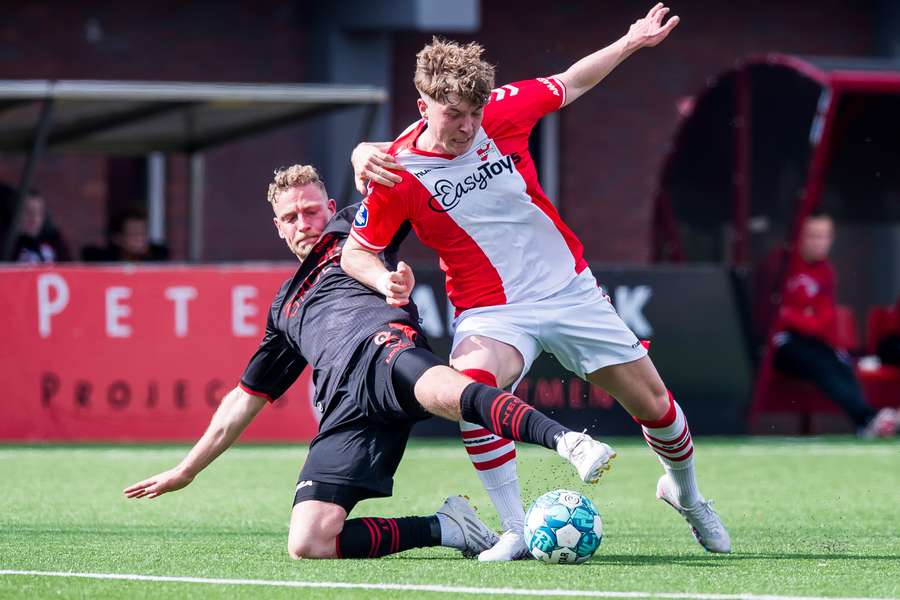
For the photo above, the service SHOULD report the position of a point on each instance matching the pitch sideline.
(440, 589)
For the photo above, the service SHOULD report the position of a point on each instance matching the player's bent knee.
(313, 548)
(653, 404)
(314, 529)
(312, 543)
(438, 390)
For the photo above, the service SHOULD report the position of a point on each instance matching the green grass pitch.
(814, 517)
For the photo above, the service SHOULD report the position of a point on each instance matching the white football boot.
(510, 547)
(590, 457)
(884, 424)
(705, 524)
(477, 537)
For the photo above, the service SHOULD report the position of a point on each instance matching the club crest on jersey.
(483, 151)
(362, 216)
(448, 194)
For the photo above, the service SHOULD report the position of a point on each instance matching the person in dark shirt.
(38, 241)
(806, 333)
(374, 378)
(127, 241)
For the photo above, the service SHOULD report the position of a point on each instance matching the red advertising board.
(135, 353)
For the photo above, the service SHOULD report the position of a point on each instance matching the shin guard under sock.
(505, 415)
(372, 537)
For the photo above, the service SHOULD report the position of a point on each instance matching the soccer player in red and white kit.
(515, 272)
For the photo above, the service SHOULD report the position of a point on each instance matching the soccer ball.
(563, 527)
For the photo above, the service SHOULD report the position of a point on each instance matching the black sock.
(506, 416)
(372, 537)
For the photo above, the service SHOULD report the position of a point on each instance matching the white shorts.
(578, 325)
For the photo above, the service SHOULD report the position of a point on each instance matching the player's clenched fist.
(397, 285)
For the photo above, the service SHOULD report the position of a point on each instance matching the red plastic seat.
(880, 321)
(780, 393)
(847, 331)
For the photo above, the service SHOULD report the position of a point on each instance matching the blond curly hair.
(449, 72)
(294, 176)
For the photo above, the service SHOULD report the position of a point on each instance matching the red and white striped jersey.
(499, 239)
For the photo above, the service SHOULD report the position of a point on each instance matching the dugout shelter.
(764, 145)
(134, 118)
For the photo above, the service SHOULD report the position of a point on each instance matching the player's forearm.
(364, 266)
(592, 69)
(236, 411)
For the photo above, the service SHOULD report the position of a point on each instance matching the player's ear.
(277, 227)
(332, 206)
(422, 106)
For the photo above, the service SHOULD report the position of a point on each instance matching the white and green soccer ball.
(563, 527)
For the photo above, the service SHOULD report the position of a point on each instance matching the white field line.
(439, 589)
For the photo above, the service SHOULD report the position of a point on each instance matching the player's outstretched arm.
(237, 410)
(371, 162)
(590, 70)
(365, 266)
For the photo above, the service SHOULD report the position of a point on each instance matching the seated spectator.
(38, 240)
(805, 342)
(888, 347)
(127, 241)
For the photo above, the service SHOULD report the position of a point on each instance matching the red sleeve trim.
(365, 243)
(255, 393)
(563, 88)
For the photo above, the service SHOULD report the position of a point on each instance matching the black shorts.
(366, 422)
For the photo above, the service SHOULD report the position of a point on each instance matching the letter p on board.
(53, 297)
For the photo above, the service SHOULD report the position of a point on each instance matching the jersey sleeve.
(381, 215)
(516, 107)
(274, 367)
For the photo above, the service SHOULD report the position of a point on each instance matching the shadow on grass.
(721, 560)
(700, 560)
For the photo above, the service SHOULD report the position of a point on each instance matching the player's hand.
(650, 31)
(371, 164)
(397, 285)
(159, 484)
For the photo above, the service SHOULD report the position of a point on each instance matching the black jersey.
(320, 316)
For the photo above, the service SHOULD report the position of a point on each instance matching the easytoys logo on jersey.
(448, 194)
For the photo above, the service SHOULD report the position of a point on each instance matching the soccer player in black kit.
(374, 377)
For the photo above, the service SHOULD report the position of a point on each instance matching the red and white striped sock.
(494, 459)
(670, 438)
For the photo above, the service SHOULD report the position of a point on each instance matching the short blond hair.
(294, 176)
(449, 72)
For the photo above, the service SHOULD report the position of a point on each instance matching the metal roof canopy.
(137, 118)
